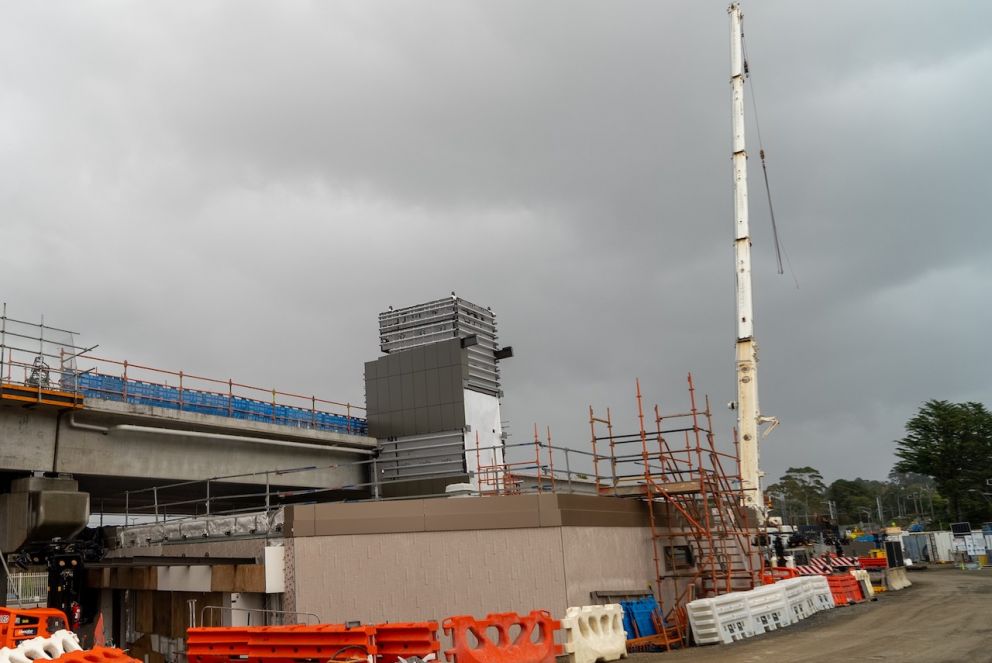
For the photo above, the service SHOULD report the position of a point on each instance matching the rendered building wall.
(430, 559)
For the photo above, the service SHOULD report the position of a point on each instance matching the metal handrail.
(250, 611)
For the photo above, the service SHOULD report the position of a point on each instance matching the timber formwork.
(700, 531)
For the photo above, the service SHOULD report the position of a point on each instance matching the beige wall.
(429, 559)
(606, 559)
(429, 575)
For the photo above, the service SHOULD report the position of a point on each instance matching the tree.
(799, 489)
(952, 442)
(853, 498)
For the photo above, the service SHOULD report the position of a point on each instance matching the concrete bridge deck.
(112, 446)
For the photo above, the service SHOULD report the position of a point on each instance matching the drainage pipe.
(153, 430)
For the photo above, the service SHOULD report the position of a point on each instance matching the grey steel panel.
(406, 387)
(420, 389)
(430, 356)
(434, 418)
(395, 392)
(433, 380)
(406, 363)
(409, 420)
(382, 391)
(439, 454)
(446, 385)
(418, 361)
(371, 397)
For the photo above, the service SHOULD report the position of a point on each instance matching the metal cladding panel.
(422, 456)
(432, 323)
(416, 392)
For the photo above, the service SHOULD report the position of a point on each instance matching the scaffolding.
(700, 532)
(532, 474)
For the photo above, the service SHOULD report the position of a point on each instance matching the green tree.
(916, 497)
(853, 498)
(798, 492)
(952, 442)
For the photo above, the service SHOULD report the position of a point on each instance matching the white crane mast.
(748, 413)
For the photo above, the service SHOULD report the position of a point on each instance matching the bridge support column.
(3, 579)
(39, 509)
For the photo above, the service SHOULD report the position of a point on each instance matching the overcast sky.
(237, 189)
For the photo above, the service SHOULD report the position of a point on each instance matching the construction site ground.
(945, 616)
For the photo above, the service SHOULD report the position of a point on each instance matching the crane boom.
(748, 413)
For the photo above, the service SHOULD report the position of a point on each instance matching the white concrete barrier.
(703, 622)
(733, 616)
(820, 589)
(594, 633)
(769, 607)
(809, 592)
(895, 579)
(864, 580)
(740, 615)
(796, 597)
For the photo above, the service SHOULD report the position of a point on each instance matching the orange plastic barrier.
(16, 626)
(214, 644)
(97, 655)
(777, 573)
(406, 640)
(873, 562)
(328, 642)
(845, 589)
(534, 644)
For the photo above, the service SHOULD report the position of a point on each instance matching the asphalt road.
(945, 616)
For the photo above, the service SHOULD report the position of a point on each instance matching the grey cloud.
(237, 189)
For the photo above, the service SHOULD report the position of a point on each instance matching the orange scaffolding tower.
(700, 532)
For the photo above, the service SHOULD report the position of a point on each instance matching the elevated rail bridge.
(117, 426)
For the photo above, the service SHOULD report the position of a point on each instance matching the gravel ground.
(945, 616)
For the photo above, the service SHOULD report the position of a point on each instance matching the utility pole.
(748, 413)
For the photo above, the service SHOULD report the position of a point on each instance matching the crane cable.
(779, 249)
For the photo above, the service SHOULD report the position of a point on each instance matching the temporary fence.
(27, 589)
